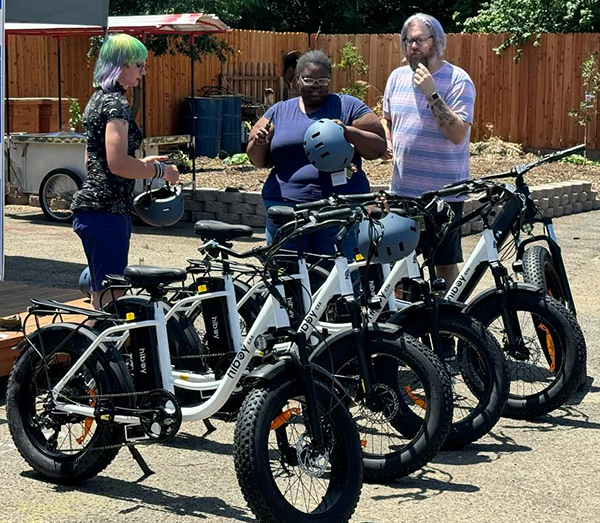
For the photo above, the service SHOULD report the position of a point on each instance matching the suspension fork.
(509, 317)
(433, 320)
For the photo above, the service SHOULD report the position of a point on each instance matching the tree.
(526, 19)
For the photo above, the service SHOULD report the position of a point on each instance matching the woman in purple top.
(277, 141)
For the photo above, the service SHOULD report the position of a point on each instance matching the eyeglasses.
(316, 81)
(141, 65)
(419, 41)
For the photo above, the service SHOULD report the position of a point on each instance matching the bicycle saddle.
(220, 231)
(145, 276)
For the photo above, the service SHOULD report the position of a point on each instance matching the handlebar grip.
(449, 191)
(312, 205)
(359, 198)
(568, 152)
(281, 214)
(335, 214)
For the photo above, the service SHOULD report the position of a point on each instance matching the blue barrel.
(231, 130)
(207, 126)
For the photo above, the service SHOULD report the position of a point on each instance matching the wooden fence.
(526, 102)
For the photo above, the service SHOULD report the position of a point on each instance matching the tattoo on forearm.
(444, 115)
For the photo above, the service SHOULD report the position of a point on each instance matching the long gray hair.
(437, 31)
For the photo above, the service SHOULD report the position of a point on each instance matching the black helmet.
(389, 240)
(160, 207)
(326, 146)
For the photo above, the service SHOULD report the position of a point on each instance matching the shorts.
(449, 251)
(105, 238)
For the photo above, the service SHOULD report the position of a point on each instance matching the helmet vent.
(319, 145)
(315, 135)
(401, 246)
(325, 154)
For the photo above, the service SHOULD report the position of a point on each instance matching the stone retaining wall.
(555, 199)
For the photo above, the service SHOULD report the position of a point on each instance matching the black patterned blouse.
(102, 190)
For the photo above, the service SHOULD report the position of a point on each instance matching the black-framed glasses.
(316, 81)
(419, 41)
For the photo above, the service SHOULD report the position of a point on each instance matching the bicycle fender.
(373, 333)
(113, 362)
(412, 313)
(290, 370)
(490, 294)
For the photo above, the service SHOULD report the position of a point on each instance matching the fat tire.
(430, 434)
(492, 395)
(569, 345)
(61, 468)
(252, 462)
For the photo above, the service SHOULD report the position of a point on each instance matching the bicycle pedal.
(104, 413)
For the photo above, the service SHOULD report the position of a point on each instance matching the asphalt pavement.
(542, 471)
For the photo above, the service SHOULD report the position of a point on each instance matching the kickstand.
(140, 461)
(209, 426)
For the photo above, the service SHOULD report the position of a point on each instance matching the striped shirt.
(424, 159)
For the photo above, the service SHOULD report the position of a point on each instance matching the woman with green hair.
(103, 206)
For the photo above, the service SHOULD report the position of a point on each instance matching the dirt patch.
(488, 157)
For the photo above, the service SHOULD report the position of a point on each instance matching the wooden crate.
(24, 115)
(49, 115)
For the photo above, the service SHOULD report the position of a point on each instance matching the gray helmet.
(84, 281)
(388, 240)
(160, 207)
(326, 146)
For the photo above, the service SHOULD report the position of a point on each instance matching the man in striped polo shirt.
(427, 115)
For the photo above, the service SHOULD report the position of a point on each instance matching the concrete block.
(588, 206)
(193, 205)
(549, 213)
(260, 210)
(242, 208)
(596, 204)
(229, 217)
(34, 200)
(230, 197)
(206, 195)
(542, 191)
(252, 220)
(587, 186)
(592, 195)
(583, 196)
(574, 197)
(565, 198)
(578, 207)
(476, 226)
(569, 208)
(187, 216)
(466, 229)
(544, 203)
(555, 201)
(253, 198)
(216, 207)
(196, 216)
(559, 211)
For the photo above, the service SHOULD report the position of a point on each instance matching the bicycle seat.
(220, 231)
(145, 276)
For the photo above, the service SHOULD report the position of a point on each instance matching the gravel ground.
(541, 471)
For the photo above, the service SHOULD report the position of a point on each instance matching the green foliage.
(353, 64)
(590, 79)
(236, 159)
(181, 160)
(76, 119)
(577, 159)
(522, 20)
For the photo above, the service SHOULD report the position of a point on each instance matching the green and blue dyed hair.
(117, 51)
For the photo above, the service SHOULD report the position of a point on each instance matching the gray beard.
(414, 62)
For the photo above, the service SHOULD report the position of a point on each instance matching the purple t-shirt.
(293, 178)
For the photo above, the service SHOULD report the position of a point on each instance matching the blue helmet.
(389, 240)
(160, 207)
(326, 146)
(84, 281)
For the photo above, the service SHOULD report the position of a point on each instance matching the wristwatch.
(434, 96)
